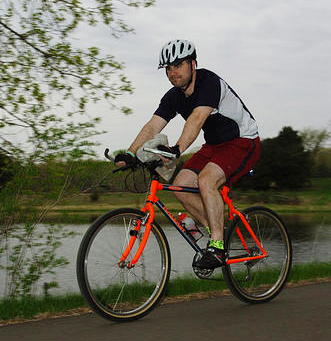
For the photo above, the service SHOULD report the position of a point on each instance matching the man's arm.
(150, 129)
(193, 126)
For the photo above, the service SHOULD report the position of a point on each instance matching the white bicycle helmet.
(175, 51)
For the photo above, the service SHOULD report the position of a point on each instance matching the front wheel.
(115, 291)
(257, 281)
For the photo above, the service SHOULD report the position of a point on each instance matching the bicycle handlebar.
(150, 166)
(108, 156)
(113, 160)
(160, 152)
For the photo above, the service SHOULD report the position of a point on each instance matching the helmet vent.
(176, 51)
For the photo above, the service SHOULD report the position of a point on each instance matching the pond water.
(310, 235)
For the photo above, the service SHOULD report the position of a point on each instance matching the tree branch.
(23, 38)
(26, 125)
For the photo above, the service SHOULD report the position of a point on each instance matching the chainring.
(201, 273)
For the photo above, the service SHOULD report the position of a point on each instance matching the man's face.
(180, 75)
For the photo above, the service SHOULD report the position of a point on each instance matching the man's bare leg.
(210, 179)
(192, 202)
(208, 207)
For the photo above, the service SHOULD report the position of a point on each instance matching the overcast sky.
(275, 54)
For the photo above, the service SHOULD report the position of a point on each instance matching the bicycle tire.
(119, 293)
(261, 280)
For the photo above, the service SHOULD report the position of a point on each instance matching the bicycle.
(124, 261)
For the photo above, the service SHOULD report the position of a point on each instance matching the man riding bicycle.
(232, 147)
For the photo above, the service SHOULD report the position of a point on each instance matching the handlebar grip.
(107, 155)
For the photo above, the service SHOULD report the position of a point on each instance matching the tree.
(322, 167)
(47, 83)
(314, 139)
(284, 163)
(291, 163)
(263, 172)
(44, 72)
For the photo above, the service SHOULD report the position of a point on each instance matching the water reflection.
(311, 236)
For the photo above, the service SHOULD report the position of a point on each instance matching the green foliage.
(284, 163)
(314, 139)
(291, 163)
(44, 73)
(322, 164)
(47, 84)
(94, 196)
(6, 169)
(27, 250)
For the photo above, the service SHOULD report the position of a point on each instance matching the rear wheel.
(113, 290)
(257, 281)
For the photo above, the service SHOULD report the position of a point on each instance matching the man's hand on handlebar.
(123, 159)
(173, 150)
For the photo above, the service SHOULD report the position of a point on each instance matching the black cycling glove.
(127, 158)
(173, 150)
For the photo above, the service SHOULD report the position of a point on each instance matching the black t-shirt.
(230, 118)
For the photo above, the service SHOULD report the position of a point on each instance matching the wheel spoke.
(116, 291)
(262, 279)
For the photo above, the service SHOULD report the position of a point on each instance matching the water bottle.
(190, 226)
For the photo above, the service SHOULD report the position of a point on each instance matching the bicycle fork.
(145, 221)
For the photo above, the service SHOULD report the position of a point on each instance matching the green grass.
(189, 285)
(80, 208)
(315, 198)
(300, 272)
(33, 306)
(310, 271)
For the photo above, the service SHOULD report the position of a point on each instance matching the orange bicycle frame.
(150, 213)
(233, 211)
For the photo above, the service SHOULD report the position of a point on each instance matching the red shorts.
(236, 157)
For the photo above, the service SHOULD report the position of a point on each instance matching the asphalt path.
(299, 314)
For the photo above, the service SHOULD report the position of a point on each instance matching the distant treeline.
(284, 163)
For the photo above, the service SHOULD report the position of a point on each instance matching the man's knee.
(205, 182)
(211, 178)
(186, 178)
